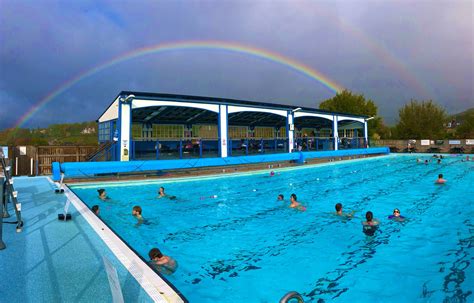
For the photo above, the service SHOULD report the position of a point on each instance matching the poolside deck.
(53, 261)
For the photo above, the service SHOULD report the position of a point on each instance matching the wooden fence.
(46, 155)
(31, 160)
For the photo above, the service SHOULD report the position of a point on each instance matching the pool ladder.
(292, 295)
(10, 193)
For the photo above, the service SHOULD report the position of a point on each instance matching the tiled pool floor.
(53, 261)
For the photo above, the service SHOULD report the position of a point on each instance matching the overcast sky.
(391, 51)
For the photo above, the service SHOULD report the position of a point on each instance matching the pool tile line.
(151, 282)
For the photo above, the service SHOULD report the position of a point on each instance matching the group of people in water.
(168, 265)
(162, 263)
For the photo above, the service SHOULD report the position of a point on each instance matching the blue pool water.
(244, 246)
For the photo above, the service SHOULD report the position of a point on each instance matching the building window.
(238, 132)
(168, 131)
(137, 129)
(264, 132)
(349, 133)
(104, 131)
(325, 133)
(309, 132)
(205, 131)
(282, 132)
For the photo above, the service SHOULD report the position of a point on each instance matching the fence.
(427, 146)
(31, 160)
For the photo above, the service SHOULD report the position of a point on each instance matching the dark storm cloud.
(43, 44)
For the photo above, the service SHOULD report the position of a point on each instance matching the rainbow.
(184, 45)
(384, 54)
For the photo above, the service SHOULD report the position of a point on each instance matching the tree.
(466, 129)
(347, 102)
(421, 120)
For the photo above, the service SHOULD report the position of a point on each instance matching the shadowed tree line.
(416, 119)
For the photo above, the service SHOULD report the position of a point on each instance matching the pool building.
(152, 126)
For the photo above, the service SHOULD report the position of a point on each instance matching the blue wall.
(89, 169)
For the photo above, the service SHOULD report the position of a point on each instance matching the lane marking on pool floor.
(155, 287)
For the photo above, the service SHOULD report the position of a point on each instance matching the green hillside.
(57, 134)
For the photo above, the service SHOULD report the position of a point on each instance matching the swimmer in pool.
(280, 197)
(95, 209)
(396, 216)
(164, 264)
(440, 179)
(272, 173)
(162, 194)
(137, 213)
(339, 211)
(103, 194)
(295, 204)
(370, 226)
(439, 161)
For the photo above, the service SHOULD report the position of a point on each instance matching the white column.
(335, 132)
(223, 130)
(366, 133)
(290, 130)
(125, 125)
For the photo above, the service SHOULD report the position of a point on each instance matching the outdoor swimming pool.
(244, 246)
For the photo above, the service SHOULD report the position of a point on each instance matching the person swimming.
(103, 194)
(272, 173)
(396, 215)
(440, 179)
(370, 226)
(162, 194)
(339, 211)
(280, 197)
(439, 161)
(96, 210)
(426, 161)
(137, 213)
(295, 204)
(164, 264)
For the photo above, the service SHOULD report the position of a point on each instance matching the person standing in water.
(103, 194)
(440, 179)
(370, 226)
(339, 211)
(295, 204)
(162, 194)
(162, 263)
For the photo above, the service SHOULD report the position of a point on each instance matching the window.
(325, 133)
(238, 132)
(308, 131)
(104, 131)
(349, 133)
(137, 131)
(340, 133)
(168, 131)
(282, 132)
(264, 132)
(205, 131)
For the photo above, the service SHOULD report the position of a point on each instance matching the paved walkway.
(53, 261)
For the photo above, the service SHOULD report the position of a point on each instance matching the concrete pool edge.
(151, 282)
